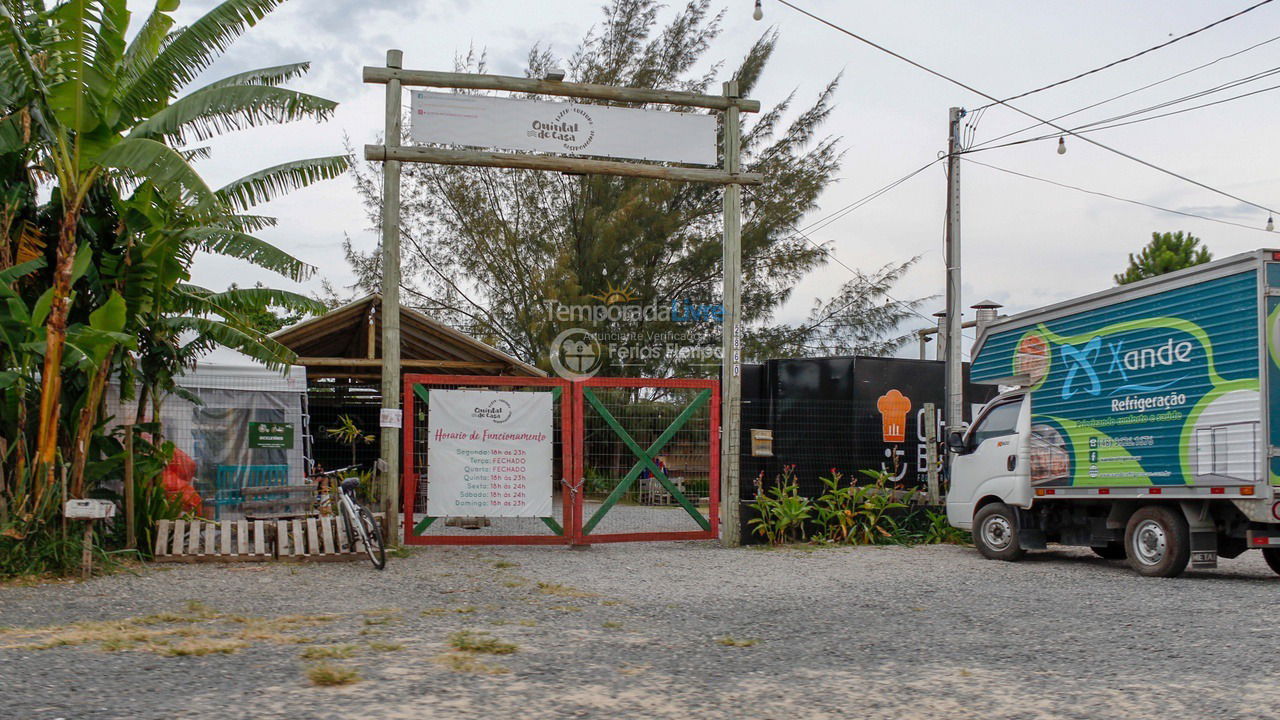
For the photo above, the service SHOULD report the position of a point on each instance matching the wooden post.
(86, 552)
(930, 420)
(731, 334)
(391, 300)
(131, 529)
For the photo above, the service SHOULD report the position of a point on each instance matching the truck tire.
(1110, 551)
(1158, 541)
(995, 533)
(1272, 556)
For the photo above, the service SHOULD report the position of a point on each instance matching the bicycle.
(358, 521)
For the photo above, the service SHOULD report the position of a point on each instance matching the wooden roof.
(347, 342)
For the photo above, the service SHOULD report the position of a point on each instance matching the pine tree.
(485, 250)
(1165, 253)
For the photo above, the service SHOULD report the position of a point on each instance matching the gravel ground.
(664, 630)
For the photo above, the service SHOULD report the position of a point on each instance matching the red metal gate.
(636, 459)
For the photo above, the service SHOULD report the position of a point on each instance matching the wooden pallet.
(312, 538)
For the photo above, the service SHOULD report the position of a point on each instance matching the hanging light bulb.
(1271, 224)
(759, 11)
(1062, 147)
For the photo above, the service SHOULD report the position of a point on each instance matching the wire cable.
(1114, 197)
(1090, 128)
(818, 246)
(1131, 57)
(1132, 92)
(988, 96)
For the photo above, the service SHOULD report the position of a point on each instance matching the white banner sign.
(563, 128)
(489, 454)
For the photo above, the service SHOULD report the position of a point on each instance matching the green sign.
(271, 436)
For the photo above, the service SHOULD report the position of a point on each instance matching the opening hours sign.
(489, 454)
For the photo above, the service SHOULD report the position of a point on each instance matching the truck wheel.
(1158, 541)
(995, 533)
(1110, 551)
(1272, 556)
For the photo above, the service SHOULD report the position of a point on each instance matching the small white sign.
(489, 454)
(89, 509)
(391, 418)
(563, 128)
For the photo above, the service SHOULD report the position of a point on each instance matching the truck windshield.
(999, 421)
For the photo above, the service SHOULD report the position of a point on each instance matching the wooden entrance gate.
(633, 459)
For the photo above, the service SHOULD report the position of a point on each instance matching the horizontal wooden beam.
(474, 81)
(580, 166)
(336, 362)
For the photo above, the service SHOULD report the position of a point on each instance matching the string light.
(1062, 147)
(1271, 224)
(759, 11)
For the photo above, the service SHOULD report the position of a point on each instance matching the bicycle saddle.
(350, 484)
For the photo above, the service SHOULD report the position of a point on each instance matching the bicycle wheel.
(371, 535)
(350, 523)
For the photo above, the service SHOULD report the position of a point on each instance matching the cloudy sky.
(1026, 243)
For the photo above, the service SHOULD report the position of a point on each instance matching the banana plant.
(83, 108)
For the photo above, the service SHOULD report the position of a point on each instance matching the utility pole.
(955, 375)
(731, 334)
(391, 307)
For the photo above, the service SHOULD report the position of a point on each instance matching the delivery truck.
(1142, 421)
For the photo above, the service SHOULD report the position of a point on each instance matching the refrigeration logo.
(1083, 365)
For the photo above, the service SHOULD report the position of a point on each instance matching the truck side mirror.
(955, 441)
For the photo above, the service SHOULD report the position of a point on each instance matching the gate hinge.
(1273, 452)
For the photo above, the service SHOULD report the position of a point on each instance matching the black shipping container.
(843, 413)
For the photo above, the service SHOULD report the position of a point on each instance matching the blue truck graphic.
(1162, 394)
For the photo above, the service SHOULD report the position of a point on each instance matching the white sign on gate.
(489, 454)
(563, 128)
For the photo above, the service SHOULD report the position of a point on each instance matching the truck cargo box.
(1168, 383)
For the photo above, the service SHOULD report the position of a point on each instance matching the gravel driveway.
(668, 630)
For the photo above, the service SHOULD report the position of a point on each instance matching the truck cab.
(987, 463)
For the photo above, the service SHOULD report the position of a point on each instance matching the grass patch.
(329, 675)
(731, 641)
(559, 590)
(503, 564)
(379, 620)
(527, 623)
(566, 608)
(466, 610)
(326, 652)
(480, 642)
(379, 646)
(203, 646)
(197, 631)
(467, 663)
(513, 583)
(611, 625)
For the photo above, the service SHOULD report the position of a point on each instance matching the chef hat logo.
(893, 407)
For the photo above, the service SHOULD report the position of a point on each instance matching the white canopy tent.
(250, 426)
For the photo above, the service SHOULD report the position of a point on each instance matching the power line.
(1133, 56)
(859, 203)
(1091, 128)
(995, 100)
(1113, 197)
(1130, 92)
(857, 274)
